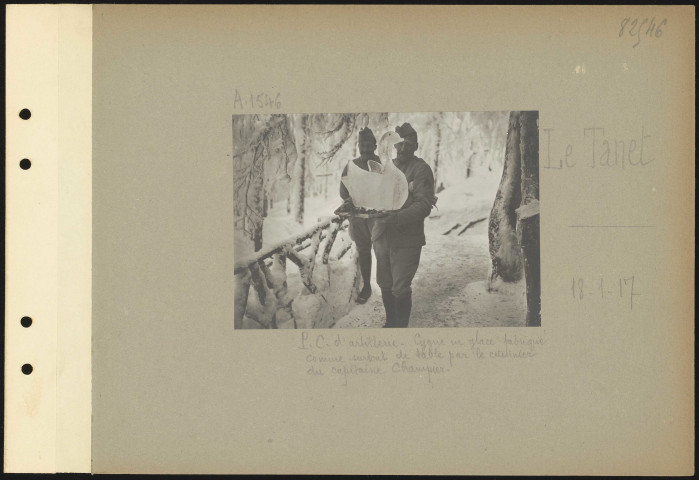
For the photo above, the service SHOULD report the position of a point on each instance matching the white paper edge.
(49, 71)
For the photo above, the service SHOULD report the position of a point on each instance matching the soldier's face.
(366, 145)
(405, 148)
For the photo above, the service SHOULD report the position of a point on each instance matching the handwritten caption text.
(348, 356)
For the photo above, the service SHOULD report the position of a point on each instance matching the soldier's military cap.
(366, 134)
(407, 133)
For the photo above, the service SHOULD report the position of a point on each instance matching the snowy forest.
(295, 263)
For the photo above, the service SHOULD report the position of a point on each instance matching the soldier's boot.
(403, 307)
(389, 303)
(365, 269)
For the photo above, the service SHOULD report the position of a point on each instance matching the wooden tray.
(368, 215)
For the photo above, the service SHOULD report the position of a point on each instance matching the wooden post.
(241, 298)
(528, 214)
(529, 232)
(334, 228)
(325, 186)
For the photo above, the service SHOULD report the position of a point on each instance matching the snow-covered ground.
(450, 287)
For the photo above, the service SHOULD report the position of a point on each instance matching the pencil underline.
(611, 226)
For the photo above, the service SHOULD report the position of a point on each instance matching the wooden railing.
(267, 273)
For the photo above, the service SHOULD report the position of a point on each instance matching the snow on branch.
(346, 130)
(260, 133)
(332, 234)
(338, 126)
(296, 241)
(305, 266)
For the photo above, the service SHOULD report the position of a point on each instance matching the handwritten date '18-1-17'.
(615, 288)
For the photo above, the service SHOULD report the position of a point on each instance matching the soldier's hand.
(346, 207)
(382, 217)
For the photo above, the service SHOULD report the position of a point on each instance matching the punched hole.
(25, 114)
(27, 369)
(25, 164)
(26, 322)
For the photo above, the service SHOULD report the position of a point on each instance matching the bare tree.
(438, 142)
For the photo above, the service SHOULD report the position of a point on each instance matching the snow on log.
(345, 248)
(298, 241)
(317, 305)
(315, 245)
(304, 266)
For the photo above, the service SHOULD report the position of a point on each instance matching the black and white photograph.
(386, 220)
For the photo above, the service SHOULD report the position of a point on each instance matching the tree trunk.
(506, 256)
(249, 177)
(529, 214)
(383, 125)
(265, 204)
(356, 146)
(270, 195)
(469, 163)
(256, 201)
(529, 151)
(300, 173)
(532, 268)
(436, 153)
(492, 158)
(240, 159)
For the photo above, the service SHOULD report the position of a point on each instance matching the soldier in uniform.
(360, 228)
(398, 237)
